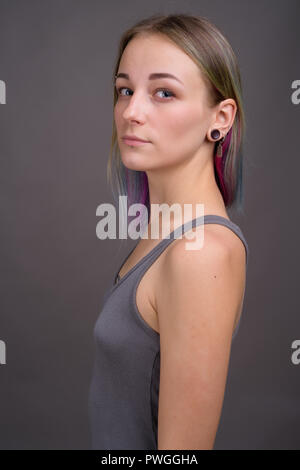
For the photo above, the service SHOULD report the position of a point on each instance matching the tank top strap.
(206, 219)
(149, 259)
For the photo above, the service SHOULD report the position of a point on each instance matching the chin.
(134, 163)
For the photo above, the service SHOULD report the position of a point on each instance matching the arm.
(197, 303)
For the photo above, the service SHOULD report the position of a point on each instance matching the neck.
(185, 185)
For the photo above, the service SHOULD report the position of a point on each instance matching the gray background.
(56, 58)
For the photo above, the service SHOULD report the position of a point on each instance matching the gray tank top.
(124, 389)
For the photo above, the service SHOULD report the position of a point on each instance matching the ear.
(224, 117)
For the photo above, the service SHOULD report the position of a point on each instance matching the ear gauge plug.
(215, 134)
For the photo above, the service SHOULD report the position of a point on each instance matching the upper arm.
(197, 306)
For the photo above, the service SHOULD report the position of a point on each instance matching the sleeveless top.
(124, 389)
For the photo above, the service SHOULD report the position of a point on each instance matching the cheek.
(186, 126)
(116, 115)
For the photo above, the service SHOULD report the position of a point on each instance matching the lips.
(134, 143)
(133, 138)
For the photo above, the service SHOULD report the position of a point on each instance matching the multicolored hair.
(214, 56)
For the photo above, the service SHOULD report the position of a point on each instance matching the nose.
(135, 108)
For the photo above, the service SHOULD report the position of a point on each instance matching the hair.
(210, 50)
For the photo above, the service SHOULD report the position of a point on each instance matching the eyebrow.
(152, 76)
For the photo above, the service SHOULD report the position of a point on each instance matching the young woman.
(163, 337)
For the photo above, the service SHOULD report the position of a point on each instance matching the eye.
(164, 90)
(120, 89)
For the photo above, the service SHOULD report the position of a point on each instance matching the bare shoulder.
(209, 281)
(222, 253)
(197, 301)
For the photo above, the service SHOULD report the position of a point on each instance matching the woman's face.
(172, 115)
